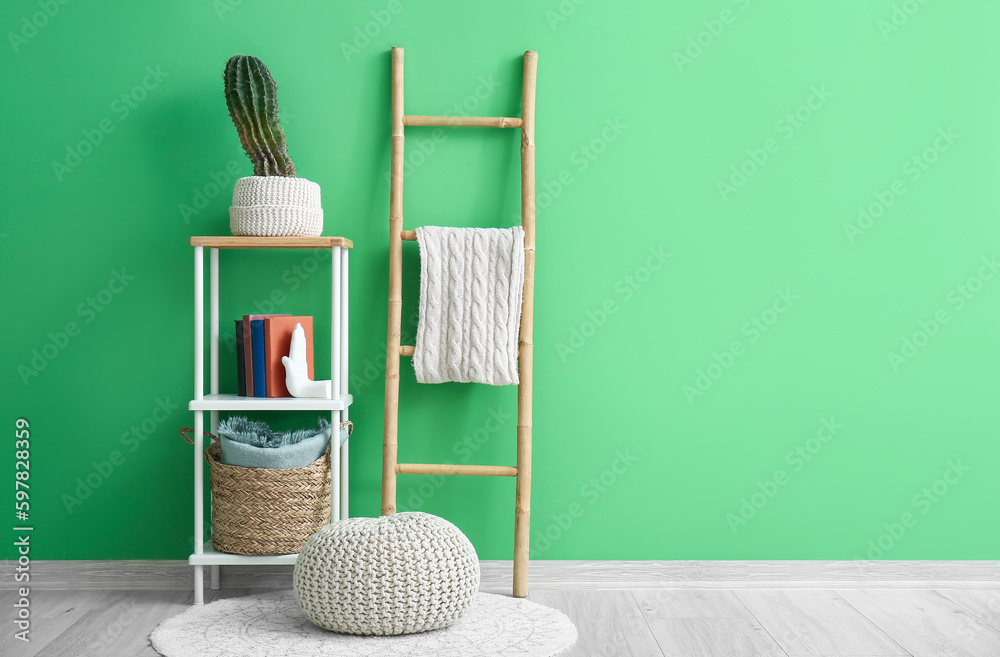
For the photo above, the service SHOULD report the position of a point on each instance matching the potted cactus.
(273, 202)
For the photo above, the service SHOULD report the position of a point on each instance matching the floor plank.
(554, 574)
(639, 622)
(762, 574)
(608, 622)
(689, 603)
(983, 604)
(51, 614)
(926, 623)
(120, 625)
(808, 622)
(713, 637)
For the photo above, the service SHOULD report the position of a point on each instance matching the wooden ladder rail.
(390, 449)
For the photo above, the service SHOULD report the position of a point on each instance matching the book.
(241, 372)
(247, 356)
(277, 342)
(259, 364)
(248, 351)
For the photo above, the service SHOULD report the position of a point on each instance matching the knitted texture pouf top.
(399, 574)
(276, 206)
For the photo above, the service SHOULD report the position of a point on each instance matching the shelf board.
(212, 557)
(238, 403)
(234, 242)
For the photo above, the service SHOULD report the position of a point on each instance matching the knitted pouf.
(276, 206)
(399, 574)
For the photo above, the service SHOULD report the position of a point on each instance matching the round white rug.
(272, 624)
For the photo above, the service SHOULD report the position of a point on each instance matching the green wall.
(732, 361)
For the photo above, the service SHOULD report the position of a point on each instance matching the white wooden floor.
(640, 622)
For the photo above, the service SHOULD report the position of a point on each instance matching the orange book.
(277, 342)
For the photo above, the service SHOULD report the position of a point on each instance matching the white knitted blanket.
(471, 282)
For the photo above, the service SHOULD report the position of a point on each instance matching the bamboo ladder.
(522, 471)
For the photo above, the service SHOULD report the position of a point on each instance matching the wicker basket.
(276, 206)
(262, 511)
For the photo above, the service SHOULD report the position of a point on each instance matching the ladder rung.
(464, 121)
(408, 235)
(445, 469)
(408, 349)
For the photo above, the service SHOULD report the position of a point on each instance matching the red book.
(277, 341)
(248, 349)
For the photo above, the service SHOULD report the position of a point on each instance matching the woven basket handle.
(184, 431)
(349, 425)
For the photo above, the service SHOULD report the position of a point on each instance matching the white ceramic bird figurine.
(297, 369)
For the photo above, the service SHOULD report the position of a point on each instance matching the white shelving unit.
(212, 402)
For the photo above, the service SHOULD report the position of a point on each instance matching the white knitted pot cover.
(399, 574)
(272, 625)
(276, 206)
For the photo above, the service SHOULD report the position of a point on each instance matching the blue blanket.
(250, 444)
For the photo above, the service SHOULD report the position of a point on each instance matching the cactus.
(251, 95)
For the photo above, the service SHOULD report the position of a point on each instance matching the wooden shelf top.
(233, 242)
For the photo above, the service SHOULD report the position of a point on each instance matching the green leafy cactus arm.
(252, 98)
